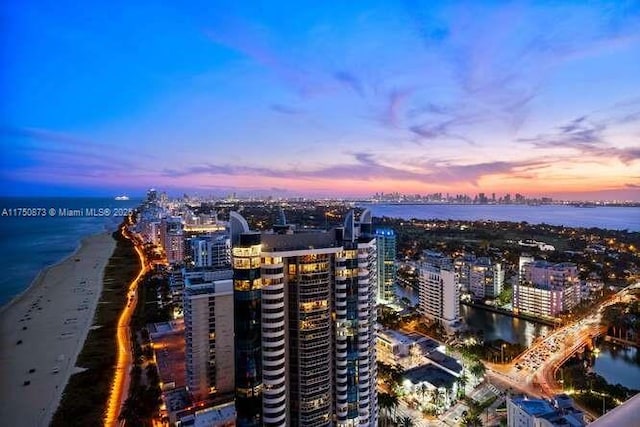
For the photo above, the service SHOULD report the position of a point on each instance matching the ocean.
(49, 230)
(38, 237)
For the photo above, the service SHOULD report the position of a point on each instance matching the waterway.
(618, 364)
(609, 217)
(494, 325)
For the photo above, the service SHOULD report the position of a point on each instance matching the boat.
(122, 197)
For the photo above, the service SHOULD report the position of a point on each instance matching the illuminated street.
(120, 387)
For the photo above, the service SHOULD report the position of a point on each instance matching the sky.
(308, 98)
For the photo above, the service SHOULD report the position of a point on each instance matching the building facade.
(439, 297)
(386, 243)
(172, 239)
(317, 316)
(486, 278)
(208, 315)
(558, 411)
(247, 303)
(546, 289)
(211, 251)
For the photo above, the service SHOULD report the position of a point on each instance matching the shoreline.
(43, 330)
(35, 281)
(12, 300)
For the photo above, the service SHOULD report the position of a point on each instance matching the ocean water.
(613, 218)
(43, 235)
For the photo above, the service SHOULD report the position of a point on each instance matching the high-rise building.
(247, 298)
(211, 251)
(486, 278)
(439, 297)
(462, 268)
(208, 314)
(386, 246)
(172, 239)
(546, 289)
(316, 315)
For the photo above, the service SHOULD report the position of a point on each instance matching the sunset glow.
(345, 99)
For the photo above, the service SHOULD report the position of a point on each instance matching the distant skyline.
(321, 98)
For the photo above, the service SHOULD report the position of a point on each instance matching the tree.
(407, 422)
(388, 404)
(440, 396)
(478, 370)
(471, 420)
(462, 382)
(131, 412)
(423, 389)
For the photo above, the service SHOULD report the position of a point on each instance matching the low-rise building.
(559, 411)
(392, 346)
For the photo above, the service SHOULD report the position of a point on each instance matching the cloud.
(45, 135)
(66, 156)
(366, 167)
(284, 109)
(351, 81)
(588, 136)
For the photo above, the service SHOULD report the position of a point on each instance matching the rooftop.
(431, 374)
(445, 361)
(169, 348)
(391, 336)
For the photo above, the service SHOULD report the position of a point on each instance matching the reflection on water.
(494, 325)
(618, 364)
(498, 326)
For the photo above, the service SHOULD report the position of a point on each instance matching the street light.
(502, 351)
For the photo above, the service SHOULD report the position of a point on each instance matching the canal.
(617, 364)
(494, 325)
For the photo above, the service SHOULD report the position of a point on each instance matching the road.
(120, 386)
(545, 356)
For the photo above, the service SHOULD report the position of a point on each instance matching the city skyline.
(340, 99)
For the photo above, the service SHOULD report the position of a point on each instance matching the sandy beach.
(43, 330)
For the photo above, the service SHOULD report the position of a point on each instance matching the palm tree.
(423, 389)
(387, 402)
(407, 422)
(448, 388)
(478, 370)
(439, 395)
(394, 401)
(462, 382)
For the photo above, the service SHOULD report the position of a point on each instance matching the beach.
(42, 331)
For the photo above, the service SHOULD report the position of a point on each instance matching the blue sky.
(322, 98)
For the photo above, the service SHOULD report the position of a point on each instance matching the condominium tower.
(316, 315)
(208, 315)
(546, 289)
(439, 298)
(386, 246)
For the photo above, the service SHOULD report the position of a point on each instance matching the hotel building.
(439, 298)
(546, 289)
(314, 296)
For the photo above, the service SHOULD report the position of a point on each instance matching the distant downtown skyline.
(331, 99)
